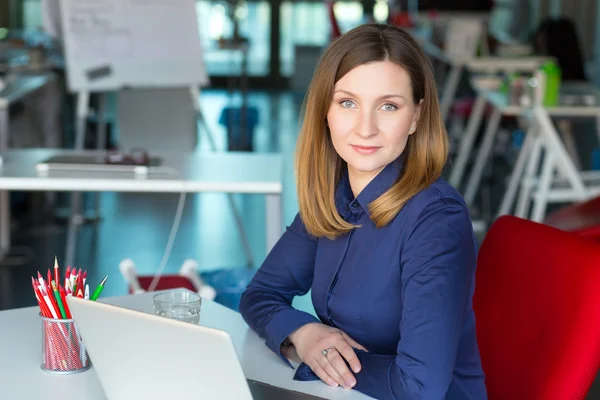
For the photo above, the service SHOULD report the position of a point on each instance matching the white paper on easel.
(112, 44)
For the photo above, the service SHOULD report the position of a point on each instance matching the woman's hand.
(310, 342)
(290, 353)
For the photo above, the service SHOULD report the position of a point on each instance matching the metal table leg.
(523, 201)
(513, 184)
(4, 205)
(75, 217)
(450, 90)
(482, 157)
(273, 215)
(466, 144)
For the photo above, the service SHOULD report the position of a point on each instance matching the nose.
(367, 124)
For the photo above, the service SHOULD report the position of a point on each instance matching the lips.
(365, 149)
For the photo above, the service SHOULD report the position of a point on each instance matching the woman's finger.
(320, 372)
(348, 353)
(330, 370)
(353, 342)
(338, 365)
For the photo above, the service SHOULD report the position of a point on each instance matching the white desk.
(20, 350)
(246, 173)
(501, 107)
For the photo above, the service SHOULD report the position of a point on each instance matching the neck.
(359, 179)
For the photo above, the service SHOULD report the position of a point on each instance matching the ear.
(418, 109)
(415, 121)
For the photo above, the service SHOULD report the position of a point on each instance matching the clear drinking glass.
(178, 304)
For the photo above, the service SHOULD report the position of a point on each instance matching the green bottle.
(553, 77)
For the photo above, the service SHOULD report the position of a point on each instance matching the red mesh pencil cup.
(63, 351)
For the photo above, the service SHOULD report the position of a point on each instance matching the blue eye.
(389, 107)
(347, 104)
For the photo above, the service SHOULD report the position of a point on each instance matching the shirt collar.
(344, 198)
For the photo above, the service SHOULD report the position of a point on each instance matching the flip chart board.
(115, 44)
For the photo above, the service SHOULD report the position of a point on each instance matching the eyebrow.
(387, 96)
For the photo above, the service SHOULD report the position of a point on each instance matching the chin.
(367, 165)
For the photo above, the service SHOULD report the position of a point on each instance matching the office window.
(255, 24)
(301, 24)
(308, 23)
(32, 14)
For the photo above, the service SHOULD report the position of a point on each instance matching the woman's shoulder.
(440, 194)
(438, 205)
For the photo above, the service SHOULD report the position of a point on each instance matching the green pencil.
(98, 290)
(59, 300)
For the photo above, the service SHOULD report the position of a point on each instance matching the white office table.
(501, 107)
(245, 173)
(489, 65)
(17, 88)
(22, 378)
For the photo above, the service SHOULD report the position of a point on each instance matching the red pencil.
(49, 281)
(78, 278)
(67, 276)
(50, 293)
(43, 307)
(40, 279)
(56, 275)
(50, 306)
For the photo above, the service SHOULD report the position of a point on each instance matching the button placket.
(335, 277)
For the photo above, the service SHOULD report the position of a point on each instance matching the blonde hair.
(319, 167)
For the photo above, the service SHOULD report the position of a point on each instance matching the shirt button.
(355, 204)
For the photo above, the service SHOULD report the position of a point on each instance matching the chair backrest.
(166, 282)
(582, 218)
(537, 307)
(157, 120)
(187, 278)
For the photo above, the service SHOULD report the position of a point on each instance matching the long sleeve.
(266, 305)
(437, 272)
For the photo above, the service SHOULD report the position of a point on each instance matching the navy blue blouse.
(403, 291)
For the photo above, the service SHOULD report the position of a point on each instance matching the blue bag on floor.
(229, 284)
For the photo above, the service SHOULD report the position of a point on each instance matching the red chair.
(581, 218)
(537, 309)
(187, 278)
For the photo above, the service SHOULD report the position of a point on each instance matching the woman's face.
(371, 116)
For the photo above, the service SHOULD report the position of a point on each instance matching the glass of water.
(178, 304)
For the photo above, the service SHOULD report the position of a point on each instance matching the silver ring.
(324, 352)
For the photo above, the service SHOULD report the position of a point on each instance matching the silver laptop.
(143, 356)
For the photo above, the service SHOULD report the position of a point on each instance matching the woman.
(386, 246)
